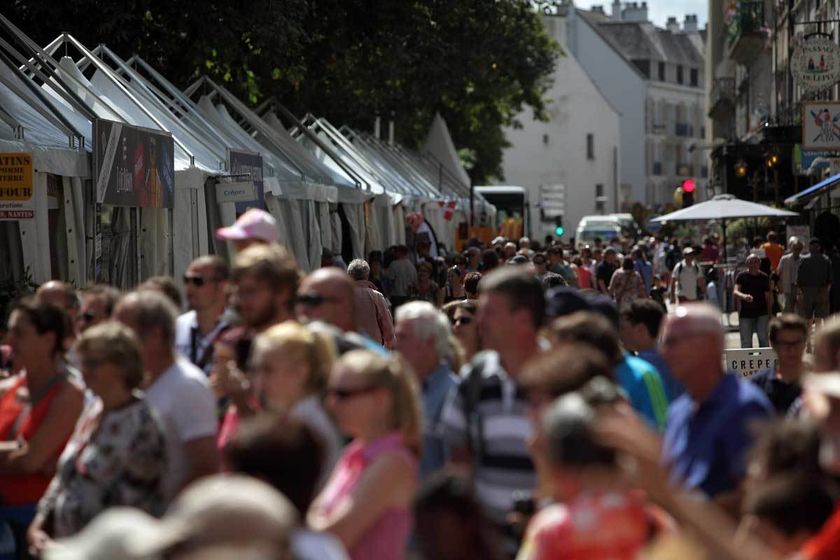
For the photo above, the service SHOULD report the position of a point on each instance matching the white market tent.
(328, 189)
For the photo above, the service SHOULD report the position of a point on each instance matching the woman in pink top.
(366, 502)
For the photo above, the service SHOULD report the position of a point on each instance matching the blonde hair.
(118, 345)
(300, 345)
(396, 376)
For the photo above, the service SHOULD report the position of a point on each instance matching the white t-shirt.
(688, 275)
(183, 401)
(315, 545)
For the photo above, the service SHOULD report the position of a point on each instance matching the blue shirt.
(706, 443)
(436, 388)
(643, 385)
(646, 271)
(673, 388)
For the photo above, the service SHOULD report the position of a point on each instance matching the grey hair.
(151, 310)
(427, 322)
(358, 269)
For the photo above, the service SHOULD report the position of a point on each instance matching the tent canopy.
(723, 207)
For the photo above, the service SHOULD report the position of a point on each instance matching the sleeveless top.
(387, 538)
(22, 489)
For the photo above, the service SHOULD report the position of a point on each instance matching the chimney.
(672, 25)
(616, 10)
(598, 10)
(635, 12)
(690, 23)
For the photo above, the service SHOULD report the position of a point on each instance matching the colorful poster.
(241, 164)
(134, 166)
(16, 186)
(821, 125)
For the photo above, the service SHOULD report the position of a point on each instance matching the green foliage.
(477, 62)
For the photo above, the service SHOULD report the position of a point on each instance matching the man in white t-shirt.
(196, 331)
(687, 280)
(175, 389)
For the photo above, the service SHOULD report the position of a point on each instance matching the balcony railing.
(747, 31)
(722, 98)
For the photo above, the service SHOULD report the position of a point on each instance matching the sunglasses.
(88, 316)
(195, 280)
(313, 300)
(463, 320)
(344, 394)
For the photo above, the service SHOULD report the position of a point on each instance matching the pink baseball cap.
(253, 224)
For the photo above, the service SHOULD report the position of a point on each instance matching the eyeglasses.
(314, 300)
(463, 320)
(195, 280)
(344, 394)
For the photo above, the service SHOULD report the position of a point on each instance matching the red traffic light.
(688, 185)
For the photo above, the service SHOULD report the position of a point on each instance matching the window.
(694, 77)
(679, 74)
(600, 200)
(590, 146)
(661, 71)
(545, 139)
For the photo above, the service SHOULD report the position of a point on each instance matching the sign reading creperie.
(748, 361)
(16, 179)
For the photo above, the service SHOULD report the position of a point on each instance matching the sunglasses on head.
(344, 394)
(313, 300)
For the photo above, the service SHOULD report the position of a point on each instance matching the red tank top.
(20, 489)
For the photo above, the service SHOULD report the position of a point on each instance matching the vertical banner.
(133, 166)
(242, 162)
(16, 184)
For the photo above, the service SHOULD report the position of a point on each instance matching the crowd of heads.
(529, 365)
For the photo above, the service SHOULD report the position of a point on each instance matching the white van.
(605, 227)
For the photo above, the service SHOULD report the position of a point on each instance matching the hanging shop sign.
(821, 125)
(242, 163)
(815, 63)
(16, 186)
(134, 166)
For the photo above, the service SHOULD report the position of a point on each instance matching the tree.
(477, 62)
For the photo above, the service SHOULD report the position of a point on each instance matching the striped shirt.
(497, 435)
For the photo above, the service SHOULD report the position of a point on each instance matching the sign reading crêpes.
(16, 178)
(815, 63)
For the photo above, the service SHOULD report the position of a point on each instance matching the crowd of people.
(512, 401)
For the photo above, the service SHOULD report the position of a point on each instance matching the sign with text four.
(16, 186)
(821, 125)
(133, 166)
(815, 63)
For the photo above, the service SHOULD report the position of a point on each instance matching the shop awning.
(813, 190)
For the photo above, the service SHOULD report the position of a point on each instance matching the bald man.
(707, 435)
(61, 294)
(328, 295)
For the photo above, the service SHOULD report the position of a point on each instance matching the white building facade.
(656, 79)
(578, 147)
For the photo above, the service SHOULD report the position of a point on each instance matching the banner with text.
(241, 162)
(134, 166)
(16, 186)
